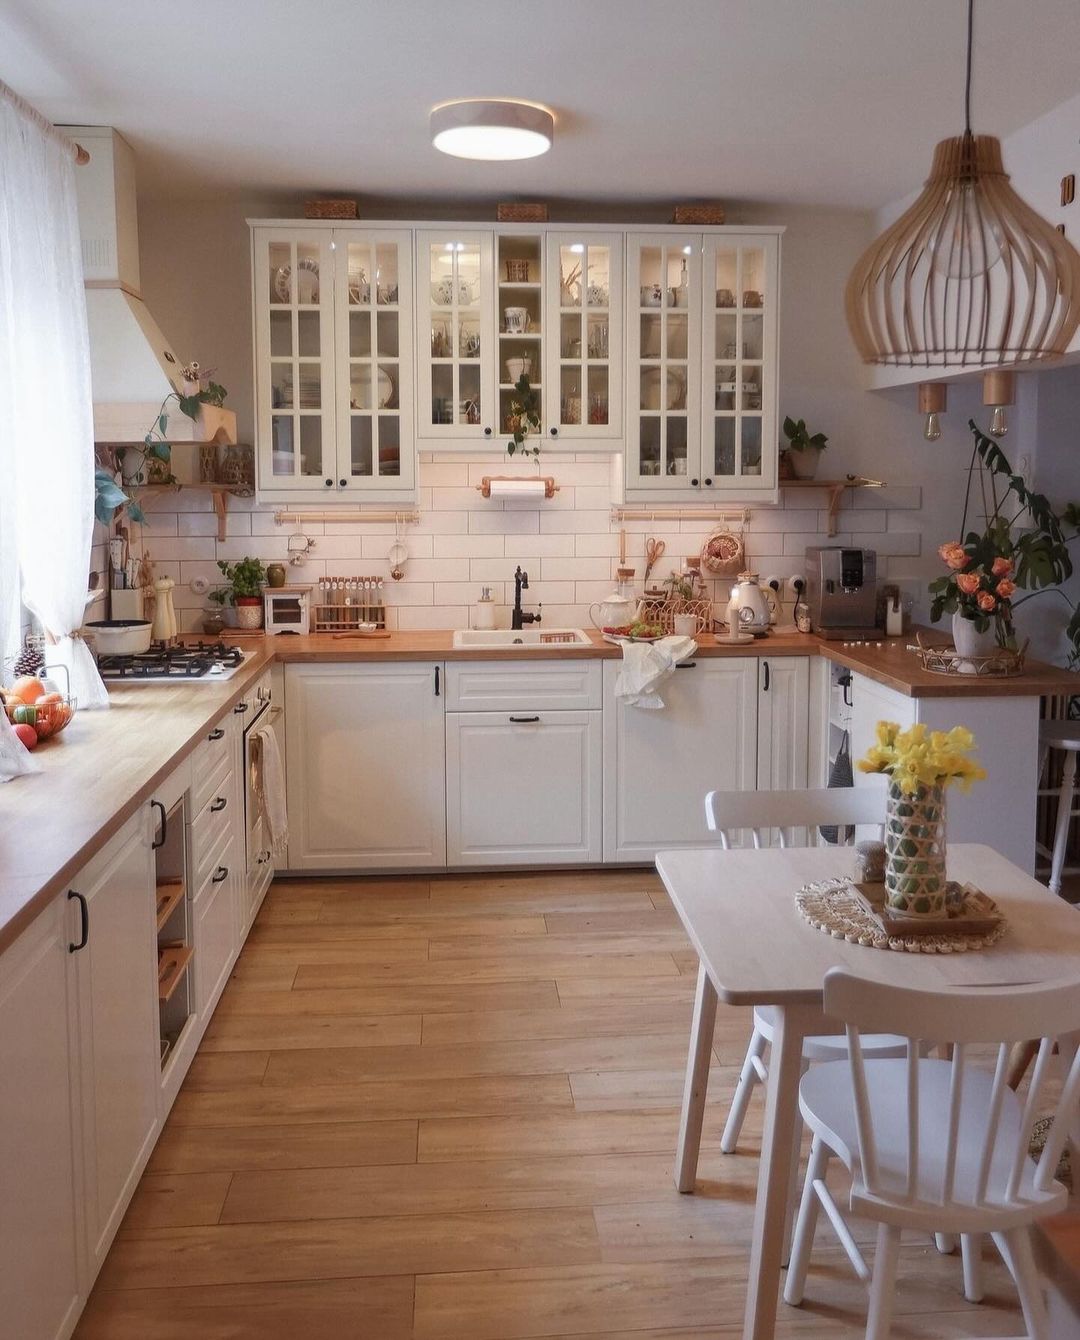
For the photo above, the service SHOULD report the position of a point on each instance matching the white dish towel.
(645, 667)
(270, 788)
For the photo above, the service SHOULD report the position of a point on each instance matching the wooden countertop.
(106, 764)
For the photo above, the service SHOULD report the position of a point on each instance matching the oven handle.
(257, 718)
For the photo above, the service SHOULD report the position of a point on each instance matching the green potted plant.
(803, 449)
(523, 418)
(246, 580)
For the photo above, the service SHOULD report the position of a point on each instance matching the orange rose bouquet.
(979, 585)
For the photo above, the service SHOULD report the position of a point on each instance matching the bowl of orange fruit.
(36, 708)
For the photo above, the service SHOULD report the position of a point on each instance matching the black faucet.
(518, 619)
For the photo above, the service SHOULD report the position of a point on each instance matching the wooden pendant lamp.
(970, 274)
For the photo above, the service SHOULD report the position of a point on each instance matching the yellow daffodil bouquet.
(921, 757)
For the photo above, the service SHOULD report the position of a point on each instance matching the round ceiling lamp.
(970, 274)
(493, 129)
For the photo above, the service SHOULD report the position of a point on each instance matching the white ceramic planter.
(804, 464)
(968, 641)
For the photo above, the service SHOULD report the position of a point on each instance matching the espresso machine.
(841, 590)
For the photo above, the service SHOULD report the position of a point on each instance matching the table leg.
(774, 1171)
(697, 1082)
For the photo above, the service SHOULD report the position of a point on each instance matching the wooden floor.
(447, 1111)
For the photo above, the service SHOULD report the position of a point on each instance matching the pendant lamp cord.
(967, 84)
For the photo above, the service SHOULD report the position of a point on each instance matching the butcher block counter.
(107, 763)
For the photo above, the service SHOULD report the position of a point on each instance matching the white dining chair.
(934, 1144)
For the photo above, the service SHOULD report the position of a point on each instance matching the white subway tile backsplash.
(575, 569)
(468, 546)
(436, 616)
(534, 546)
(498, 522)
(582, 521)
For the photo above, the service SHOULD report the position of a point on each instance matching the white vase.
(804, 464)
(968, 641)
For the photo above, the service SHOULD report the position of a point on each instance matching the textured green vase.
(915, 851)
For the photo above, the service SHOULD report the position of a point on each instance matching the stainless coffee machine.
(841, 590)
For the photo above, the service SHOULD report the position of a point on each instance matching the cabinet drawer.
(215, 931)
(211, 755)
(501, 686)
(210, 788)
(206, 852)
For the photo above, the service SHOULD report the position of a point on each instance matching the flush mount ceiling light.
(493, 129)
(970, 274)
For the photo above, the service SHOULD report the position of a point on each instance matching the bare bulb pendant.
(999, 424)
(932, 430)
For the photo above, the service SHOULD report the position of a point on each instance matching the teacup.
(685, 625)
(517, 319)
(725, 297)
(651, 295)
(751, 298)
(597, 295)
(517, 367)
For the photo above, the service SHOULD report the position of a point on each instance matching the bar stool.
(1063, 735)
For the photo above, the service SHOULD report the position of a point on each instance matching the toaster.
(841, 590)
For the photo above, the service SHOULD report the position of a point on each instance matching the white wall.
(195, 271)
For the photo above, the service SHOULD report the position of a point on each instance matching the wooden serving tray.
(971, 912)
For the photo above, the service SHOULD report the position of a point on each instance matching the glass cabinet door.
(663, 332)
(374, 364)
(456, 336)
(584, 356)
(739, 300)
(294, 327)
(519, 286)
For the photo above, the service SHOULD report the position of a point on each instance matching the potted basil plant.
(803, 450)
(246, 580)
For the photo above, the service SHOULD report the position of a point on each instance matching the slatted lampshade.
(970, 274)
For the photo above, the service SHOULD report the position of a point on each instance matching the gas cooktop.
(201, 662)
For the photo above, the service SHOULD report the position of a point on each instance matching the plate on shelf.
(307, 281)
(652, 385)
(387, 391)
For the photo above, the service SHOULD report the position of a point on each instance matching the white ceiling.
(805, 101)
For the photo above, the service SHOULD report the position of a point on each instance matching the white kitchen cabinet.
(214, 914)
(783, 726)
(40, 1171)
(524, 787)
(366, 762)
(659, 764)
(333, 363)
(116, 992)
(701, 357)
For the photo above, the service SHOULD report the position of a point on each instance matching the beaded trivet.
(833, 906)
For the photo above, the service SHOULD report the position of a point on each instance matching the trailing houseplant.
(523, 418)
(803, 448)
(1023, 546)
(246, 579)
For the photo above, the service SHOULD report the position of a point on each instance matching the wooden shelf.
(173, 961)
(170, 892)
(835, 489)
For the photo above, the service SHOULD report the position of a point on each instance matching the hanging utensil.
(398, 555)
(654, 551)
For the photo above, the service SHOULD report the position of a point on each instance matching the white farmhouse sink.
(523, 639)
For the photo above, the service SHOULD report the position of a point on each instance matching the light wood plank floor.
(446, 1110)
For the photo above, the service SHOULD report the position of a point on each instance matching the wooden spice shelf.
(173, 961)
(170, 892)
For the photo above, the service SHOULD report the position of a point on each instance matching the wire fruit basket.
(50, 713)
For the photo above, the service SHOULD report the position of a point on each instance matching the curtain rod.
(77, 152)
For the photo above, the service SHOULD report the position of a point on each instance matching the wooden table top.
(738, 908)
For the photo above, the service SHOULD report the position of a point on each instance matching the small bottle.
(485, 609)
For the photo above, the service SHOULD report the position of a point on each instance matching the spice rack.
(349, 604)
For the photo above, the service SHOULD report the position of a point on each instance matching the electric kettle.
(751, 607)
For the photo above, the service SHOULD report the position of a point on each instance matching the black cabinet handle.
(524, 721)
(554, 432)
(221, 873)
(329, 483)
(157, 805)
(240, 709)
(216, 734)
(437, 680)
(686, 665)
(343, 482)
(694, 482)
(708, 483)
(84, 922)
(218, 805)
(487, 432)
(768, 677)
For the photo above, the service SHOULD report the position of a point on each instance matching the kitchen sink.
(523, 639)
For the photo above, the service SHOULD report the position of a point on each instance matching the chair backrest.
(726, 812)
(963, 1018)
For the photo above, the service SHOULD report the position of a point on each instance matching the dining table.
(756, 949)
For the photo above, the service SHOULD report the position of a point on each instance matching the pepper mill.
(163, 628)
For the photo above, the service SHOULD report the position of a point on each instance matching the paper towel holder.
(544, 484)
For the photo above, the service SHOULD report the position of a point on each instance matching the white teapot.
(616, 611)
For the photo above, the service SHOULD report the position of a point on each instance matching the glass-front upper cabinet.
(739, 361)
(663, 342)
(294, 342)
(374, 360)
(455, 337)
(583, 366)
(520, 319)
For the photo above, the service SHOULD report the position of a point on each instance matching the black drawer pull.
(157, 805)
(240, 708)
(221, 873)
(84, 920)
(218, 805)
(438, 680)
(686, 665)
(768, 677)
(524, 721)
(216, 734)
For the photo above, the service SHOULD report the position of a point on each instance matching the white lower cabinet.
(215, 912)
(658, 764)
(116, 994)
(365, 753)
(524, 787)
(783, 723)
(40, 1198)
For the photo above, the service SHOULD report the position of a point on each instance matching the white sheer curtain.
(46, 417)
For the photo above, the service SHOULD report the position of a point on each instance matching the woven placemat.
(833, 906)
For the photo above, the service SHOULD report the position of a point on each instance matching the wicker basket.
(724, 553)
(329, 209)
(521, 213)
(662, 611)
(704, 214)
